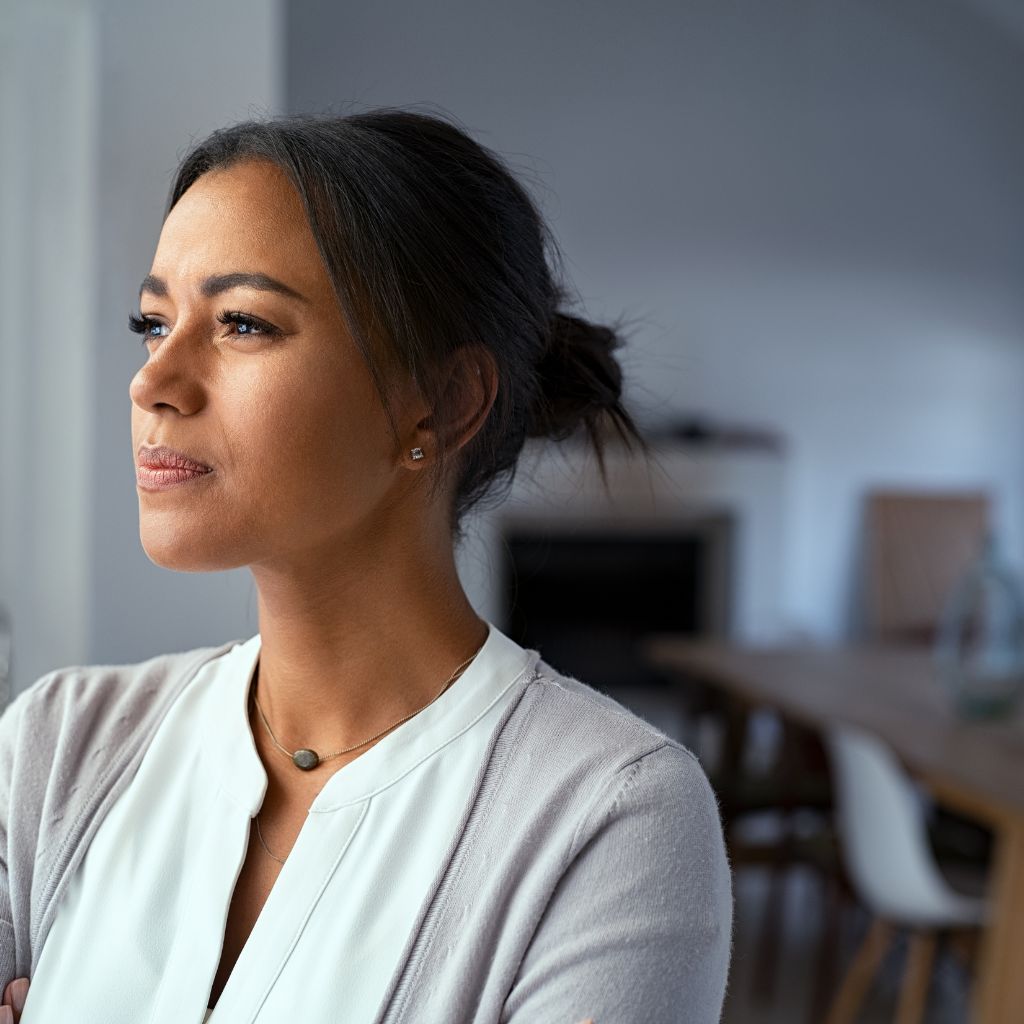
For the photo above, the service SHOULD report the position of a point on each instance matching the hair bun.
(579, 378)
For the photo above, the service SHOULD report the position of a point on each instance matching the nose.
(172, 376)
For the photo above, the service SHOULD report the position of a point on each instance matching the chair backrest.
(883, 831)
(917, 546)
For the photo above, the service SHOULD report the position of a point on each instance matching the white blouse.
(139, 934)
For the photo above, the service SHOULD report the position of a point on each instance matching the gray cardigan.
(587, 879)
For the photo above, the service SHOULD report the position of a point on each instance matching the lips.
(163, 457)
(163, 468)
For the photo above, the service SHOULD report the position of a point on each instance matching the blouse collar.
(232, 756)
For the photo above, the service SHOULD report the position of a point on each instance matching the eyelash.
(142, 324)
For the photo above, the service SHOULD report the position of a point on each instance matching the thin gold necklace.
(307, 759)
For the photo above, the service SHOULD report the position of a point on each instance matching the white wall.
(99, 100)
(814, 210)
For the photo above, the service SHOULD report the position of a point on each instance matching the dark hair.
(433, 245)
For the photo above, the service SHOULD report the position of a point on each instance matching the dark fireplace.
(583, 594)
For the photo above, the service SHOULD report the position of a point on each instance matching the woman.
(351, 327)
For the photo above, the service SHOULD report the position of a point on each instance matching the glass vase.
(979, 653)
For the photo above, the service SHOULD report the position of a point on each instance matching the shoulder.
(561, 707)
(644, 805)
(605, 762)
(96, 703)
(68, 744)
(110, 685)
(111, 681)
(640, 895)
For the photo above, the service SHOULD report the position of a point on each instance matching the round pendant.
(306, 759)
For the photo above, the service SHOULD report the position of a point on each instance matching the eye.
(247, 324)
(147, 326)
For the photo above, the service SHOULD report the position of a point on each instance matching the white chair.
(884, 843)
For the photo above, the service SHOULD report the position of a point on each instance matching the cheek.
(313, 439)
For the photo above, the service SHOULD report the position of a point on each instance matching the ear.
(471, 385)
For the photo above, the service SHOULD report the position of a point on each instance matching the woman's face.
(279, 402)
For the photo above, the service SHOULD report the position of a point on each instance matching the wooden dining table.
(973, 767)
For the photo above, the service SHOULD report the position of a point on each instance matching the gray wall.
(814, 210)
(214, 63)
(47, 309)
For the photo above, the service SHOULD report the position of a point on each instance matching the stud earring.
(416, 453)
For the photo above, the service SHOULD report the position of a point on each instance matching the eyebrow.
(218, 283)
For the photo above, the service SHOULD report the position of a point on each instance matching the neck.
(347, 652)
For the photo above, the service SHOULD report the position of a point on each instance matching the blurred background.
(812, 215)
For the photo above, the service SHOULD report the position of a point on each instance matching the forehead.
(245, 217)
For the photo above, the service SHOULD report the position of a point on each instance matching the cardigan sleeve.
(639, 927)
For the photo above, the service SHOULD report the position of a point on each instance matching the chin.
(173, 559)
(184, 553)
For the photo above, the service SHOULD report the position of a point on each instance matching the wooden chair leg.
(772, 934)
(824, 983)
(964, 943)
(916, 977)
(858, 978)
(788, 772)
